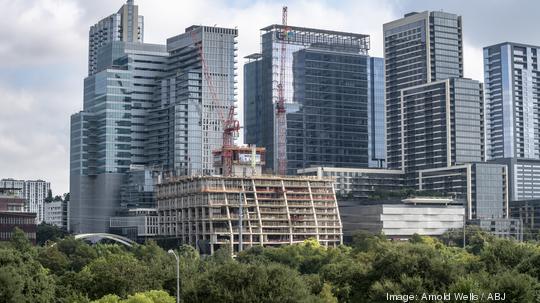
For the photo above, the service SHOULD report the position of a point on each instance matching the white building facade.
(425, 217)
(53, 213)
(35, 193)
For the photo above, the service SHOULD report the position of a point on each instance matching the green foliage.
(326, 294)
(53, 259)
(23, 279)
(153, 296)
(46, 232)
(78, 252)
(120, 274)
(49, 197)
(72, 271)
(238, 282)
(20, 242)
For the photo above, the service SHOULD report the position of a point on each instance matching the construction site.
(241, 207)
(212, 212)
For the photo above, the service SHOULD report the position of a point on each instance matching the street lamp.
(170, 251)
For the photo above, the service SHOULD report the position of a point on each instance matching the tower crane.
(281, 117)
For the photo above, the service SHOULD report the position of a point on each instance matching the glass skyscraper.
(184, 127)
(418, 49)
(333, 92)
(512, 84)
(512, 80)
(145, 104)
(435, 117)
(125, 25)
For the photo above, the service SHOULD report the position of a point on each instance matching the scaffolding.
(204, 211)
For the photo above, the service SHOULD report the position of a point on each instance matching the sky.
(44, 50)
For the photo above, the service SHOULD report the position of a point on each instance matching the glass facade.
(330, 124)
(488, 190)
(467, 121)
(333, 92)
(512, 84)
(146, 104)
(442, 125)
(376, 110)
(481, 187)
(418, 49)
(125, 25)
(426, 127)
(253, 100)
(185, 125)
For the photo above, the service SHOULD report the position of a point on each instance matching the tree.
(49, 197)
(326, 294)
(153, 296)
(23, 279)
(517, 287)
(78, 252)
(236, 282)
(47, 232)
(120, 274)
(20, 242)
(365, 241)
(53, 259)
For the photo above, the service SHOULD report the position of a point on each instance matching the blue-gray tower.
(334, 99)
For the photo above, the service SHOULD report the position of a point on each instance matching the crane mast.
(281, 117)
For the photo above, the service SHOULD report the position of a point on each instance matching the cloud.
(31, 146)
(39, 33)
(43, 54)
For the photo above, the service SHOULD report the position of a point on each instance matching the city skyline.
(41, 80)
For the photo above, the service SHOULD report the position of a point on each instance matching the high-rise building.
(109, 134)
(512, 83)
(184, 127)
(435, 117)
(513, 136)
(137, 190)
(442, 124)
(334, 96)
(35, 192)
(145, 104)
(418, 49)
(125, 25)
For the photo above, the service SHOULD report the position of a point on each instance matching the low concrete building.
(501, 227)
(358, 183)
(528, 214)
(483, 187)
(423, 216)
(137, 224)
(54, 213)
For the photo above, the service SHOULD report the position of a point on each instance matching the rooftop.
(308, 30)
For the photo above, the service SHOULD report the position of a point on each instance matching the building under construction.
(243, 210)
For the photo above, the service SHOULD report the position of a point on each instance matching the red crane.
(231, 126)
(281, 117)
